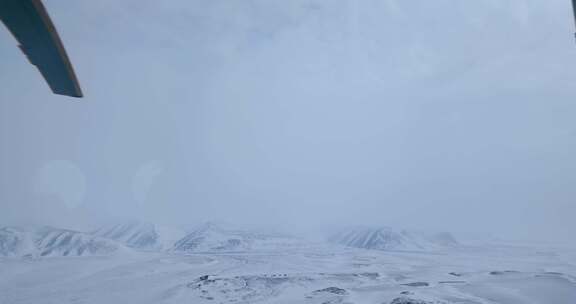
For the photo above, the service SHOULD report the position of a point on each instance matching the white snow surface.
(309, 273)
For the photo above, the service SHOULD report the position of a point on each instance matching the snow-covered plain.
(299, 272)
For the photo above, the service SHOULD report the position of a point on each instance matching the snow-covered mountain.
(49, 241)
(141, 235)
(210, 237)
(15, 241)
(386, 238)
(445, 239)
(61, 242)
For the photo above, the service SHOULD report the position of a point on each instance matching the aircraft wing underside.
(574, 8)
(31, 26)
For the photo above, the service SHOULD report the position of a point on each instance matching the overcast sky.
(443, 115)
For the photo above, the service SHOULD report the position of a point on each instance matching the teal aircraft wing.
(29, 23)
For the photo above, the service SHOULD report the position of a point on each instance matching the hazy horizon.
(434, 115)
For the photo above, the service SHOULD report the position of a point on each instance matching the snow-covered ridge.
(48, 241)
(15, 241)
(386, 238)
(141, 235)
(212, 237)
(208, 237)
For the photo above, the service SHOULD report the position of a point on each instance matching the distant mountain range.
(133, 236)
(49, 241)
(386, 238)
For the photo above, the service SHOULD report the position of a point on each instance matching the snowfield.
(295, 272)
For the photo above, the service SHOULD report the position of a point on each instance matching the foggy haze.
(442, 115)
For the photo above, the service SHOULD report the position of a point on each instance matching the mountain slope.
(15, 241)
(61, 242)
(386, 238)
(212, 237)
(49, 241)
(141, 235)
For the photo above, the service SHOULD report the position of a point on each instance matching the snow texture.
(49, 265)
